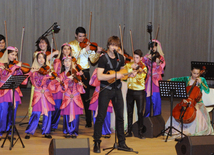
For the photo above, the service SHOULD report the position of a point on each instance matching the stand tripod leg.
(19, 137)
(6, 137)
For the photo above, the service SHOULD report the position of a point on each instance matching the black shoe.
(27, 136)
(97, 146)
(128, 134)
(107, 136)
(48, 136)
(67, 136)
(124, 147)
(88, 125)
(74, 136)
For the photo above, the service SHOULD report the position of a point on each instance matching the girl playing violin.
(42, 102)
(43, 45)
(157, 71)
(201, 125)
(72, 105)
(64, 51)
(6, 98)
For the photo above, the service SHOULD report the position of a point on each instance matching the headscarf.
(4, 58)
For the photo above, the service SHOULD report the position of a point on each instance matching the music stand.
(172, 89)
(12, 83)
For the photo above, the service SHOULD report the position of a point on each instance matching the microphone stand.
(183, 111)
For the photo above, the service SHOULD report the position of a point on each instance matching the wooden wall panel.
(186, 27)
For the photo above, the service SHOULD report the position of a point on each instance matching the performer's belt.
(110, 87)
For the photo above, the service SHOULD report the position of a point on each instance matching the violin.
(78, 67)
(86, 42)
(194, 95)
(25, 67)
(44, 70)
(49, 52)
(77, 78)
(140, 67)
(128, 58)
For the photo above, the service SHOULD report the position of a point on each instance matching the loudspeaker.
(196, 145)
(69, 146)
(152, 126)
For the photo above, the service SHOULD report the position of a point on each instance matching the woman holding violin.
(83, 55)
(42, 102)
(58, 95)
(43, 45)
(6, 101)
(158, 64)
(200, 124)
(72, 105)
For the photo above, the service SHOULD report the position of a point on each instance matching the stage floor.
(38, 145)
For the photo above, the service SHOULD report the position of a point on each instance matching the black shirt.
(103, 63)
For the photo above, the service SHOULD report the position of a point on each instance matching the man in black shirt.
(110, 61)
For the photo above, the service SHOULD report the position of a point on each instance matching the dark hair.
(195, 67)
(63, 67)
(47, 42)
(114, 40)
(2, 37)
(138, 52)
(61, 55)
(44, 56)
(80, 30)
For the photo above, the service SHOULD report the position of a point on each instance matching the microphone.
(116, 56)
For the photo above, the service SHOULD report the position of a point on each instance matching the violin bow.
(5, 27)
(131, 42)
(21, 47)
(156, 37)
(89, 32)
(54, 40)
(51, 60)
(121, 38)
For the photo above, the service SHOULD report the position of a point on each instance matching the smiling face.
(41, 59)
(12, 56)
(80, 37)
(43, 45)
(66, 50)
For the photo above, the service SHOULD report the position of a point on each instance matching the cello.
(194, 95)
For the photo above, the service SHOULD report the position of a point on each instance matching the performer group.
(61, 87)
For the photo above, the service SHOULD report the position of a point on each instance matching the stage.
(38, 145)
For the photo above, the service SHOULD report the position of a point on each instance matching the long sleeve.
(137, 82)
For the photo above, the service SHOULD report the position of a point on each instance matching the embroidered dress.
(42, 103)
(201, 125)
(72, 105)
(6, 99)
(157, 70)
